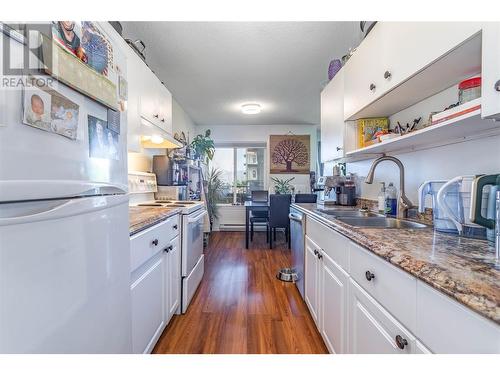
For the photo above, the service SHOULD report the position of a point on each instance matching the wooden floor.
(240, 306)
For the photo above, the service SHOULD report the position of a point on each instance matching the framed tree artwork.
(290, 154)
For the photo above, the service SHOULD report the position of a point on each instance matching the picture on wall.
(48, 110)
(81, 56)
(103, 142)
(290, 154)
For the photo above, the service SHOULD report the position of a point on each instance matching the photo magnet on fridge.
(103, 143)
(114, 121)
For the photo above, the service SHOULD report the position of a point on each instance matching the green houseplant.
(282, 186)
(215, 188)
(203, 146)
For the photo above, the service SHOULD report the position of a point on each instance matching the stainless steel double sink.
(366, 219)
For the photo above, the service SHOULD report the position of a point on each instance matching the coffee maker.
(490, 220)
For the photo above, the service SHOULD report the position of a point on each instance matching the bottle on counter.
(381, 198)
(391, 200)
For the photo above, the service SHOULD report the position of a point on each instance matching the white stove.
(142, 189)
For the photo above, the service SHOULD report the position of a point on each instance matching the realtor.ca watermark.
(26, 55)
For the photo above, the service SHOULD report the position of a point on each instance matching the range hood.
(155, 137)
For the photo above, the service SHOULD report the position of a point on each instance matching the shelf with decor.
(454, 125)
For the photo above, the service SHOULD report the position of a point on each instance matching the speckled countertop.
(462, 268)
(145, 217)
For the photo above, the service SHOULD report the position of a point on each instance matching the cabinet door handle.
(320, 256)
(372, 87)
(339, 148)
(497, 85)
(315, 252)
(155, 242)
(156, 116)
(162, 120)
(387, 74)
(401, 342)
(168, 249)
(175, 227)
(369, 276)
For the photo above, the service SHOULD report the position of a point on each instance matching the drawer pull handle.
(316, 252)
(401, 342)
(168, 249)
(387, 74)
(320, 256)
(155, 242)
(372, 87)
(175, 227)
(156, 116)
(369, 276)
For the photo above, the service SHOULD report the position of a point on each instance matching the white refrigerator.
(64, 238)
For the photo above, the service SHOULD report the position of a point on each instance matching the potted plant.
(203, 146)
(215, 187)
(282, 186)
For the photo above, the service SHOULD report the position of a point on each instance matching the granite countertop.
(145, 217)
(462, 268)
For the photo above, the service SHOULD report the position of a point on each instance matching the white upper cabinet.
(165, 109)
(490, 84)
(149, 104)
(395, 51)
(332, 119)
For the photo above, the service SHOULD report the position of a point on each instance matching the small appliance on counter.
(442, 222)
(179, 193)
(337, 190)
(454, 199)
(177, 178)
(492, 219)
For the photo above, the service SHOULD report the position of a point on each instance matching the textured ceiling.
(212, 68)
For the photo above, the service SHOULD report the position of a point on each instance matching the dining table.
(252, 206)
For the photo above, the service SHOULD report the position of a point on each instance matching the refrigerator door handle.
(28, 212)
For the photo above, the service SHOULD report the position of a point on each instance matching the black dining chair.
(259, 217)
(279, 208)
(306, 198)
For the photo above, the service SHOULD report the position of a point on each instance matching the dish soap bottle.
(391, 200)
(381, 198)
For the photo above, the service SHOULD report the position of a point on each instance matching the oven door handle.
(197, 218)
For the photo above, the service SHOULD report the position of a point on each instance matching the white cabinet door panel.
(490, 96)
(372, 330)
(334, 305)
(311, 271)
(148, 306)
(332, 119)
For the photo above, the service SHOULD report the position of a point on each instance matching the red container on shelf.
(469, 89)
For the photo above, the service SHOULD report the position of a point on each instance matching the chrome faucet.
(404, 204)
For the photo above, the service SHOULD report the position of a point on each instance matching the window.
(242, 171)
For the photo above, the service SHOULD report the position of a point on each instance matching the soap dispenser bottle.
(381, 198)
(391, 200)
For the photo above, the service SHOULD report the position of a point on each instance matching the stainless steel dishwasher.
(297, 230)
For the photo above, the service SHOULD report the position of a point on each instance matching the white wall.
(469, 157)
(260, 134)
(181, 122)
(472, 157)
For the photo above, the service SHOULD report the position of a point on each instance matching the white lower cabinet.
(155, 283)
(372, 329)
(311, 272)
(334, 283)
(148, 305)
(363, 304)
(173, 279)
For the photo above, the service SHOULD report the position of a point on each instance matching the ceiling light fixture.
(251, 108)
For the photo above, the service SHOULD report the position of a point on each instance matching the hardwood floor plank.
(241, 307)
